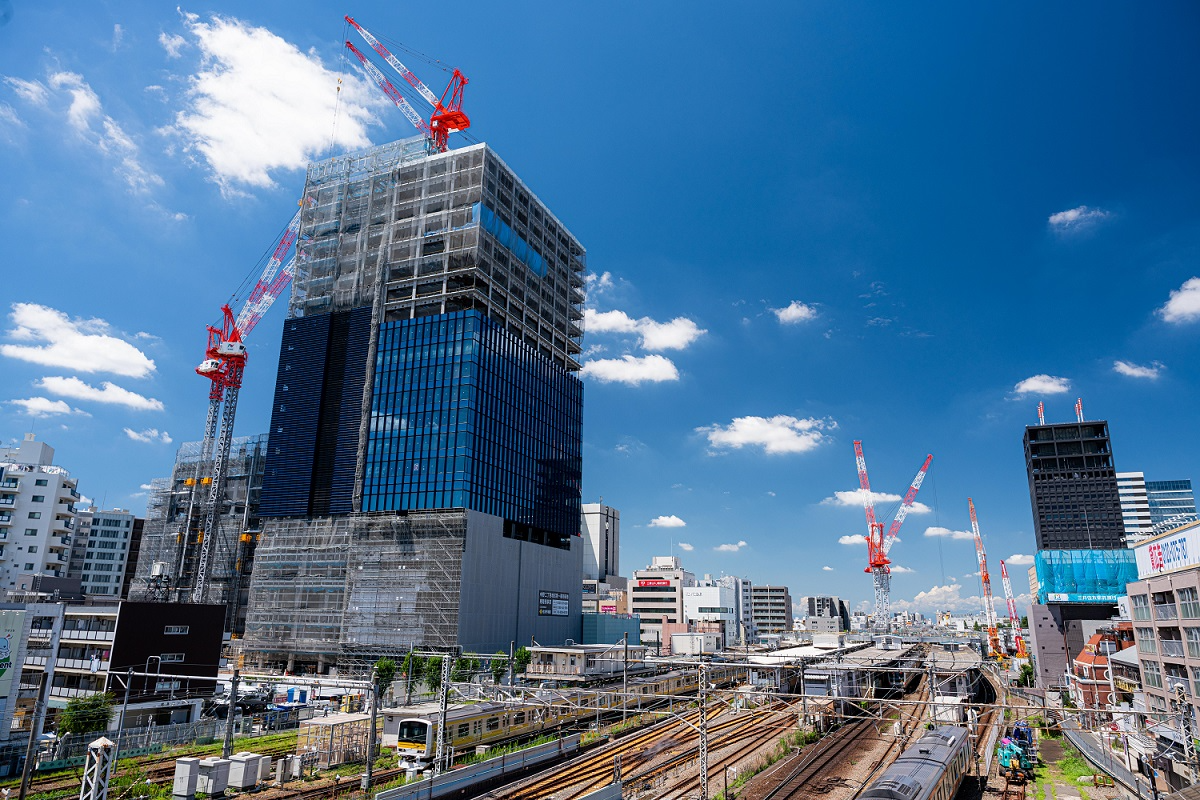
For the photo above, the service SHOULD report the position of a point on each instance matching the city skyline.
(928, 239)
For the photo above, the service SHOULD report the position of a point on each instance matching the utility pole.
(31, 746)
(408, 676)
(439, 764)
(366, 779)
(703, 732)
(625, 680)
(124, 708)
(227, 747)
(1185, 713)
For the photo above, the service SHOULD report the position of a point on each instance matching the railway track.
(800, 777)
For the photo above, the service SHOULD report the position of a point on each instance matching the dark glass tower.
(1073, 487)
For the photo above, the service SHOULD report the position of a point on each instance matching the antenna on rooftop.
(1079, 409)
(1041, 413)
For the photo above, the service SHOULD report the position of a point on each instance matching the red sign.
(608, 609)
(654, 583)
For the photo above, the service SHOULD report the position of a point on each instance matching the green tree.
(499, 665)
(521, 659)
(385, 672)
(86, 714)
(978, 627)
(1026, 676)
(1024, 622)
(412, 666)
(431, 672)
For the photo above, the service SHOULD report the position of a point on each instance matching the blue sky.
(808, 223)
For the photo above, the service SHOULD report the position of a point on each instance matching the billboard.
(1168, 553)
(655, 582)
(12, 626)
(553, 604)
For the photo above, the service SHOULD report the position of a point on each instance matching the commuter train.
(415, 735)
(932, 768)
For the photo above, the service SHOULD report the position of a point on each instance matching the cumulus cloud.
(1183, 304)
(1042, 384)
(685, 547)
(899, 570)
(1132, 370)
(149, 435)
(106, 393)
(827, 568)
(729, 548)
(173, 43)
(1019, 559)
(259, 104)
(671, 521)
(674, 335)
(937, 530)
(794, 312)
(940, 598)
(1077, 220)
(597, 285)
(44, 407)
(82, 345)
(775, 435)
(631, 370)
(854, 499)
(146, 486)
(855, 538)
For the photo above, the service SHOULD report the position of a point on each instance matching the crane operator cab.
(208, 365)
(231, 349)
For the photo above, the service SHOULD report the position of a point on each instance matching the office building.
(170, 545)
(601, 531)
(771, 608)
(1135, 506)
(825, 614)
(1073, 487)
(37, 514)
(104, 551)
(656, 596)
(1149, 508)
(713, 603)
(422, 484)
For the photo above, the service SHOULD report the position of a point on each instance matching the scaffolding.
(351, 590)
(171, 538)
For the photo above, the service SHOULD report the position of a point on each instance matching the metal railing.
(1166, 611)
(1171, 647)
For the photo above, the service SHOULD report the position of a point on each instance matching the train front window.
(411, 730)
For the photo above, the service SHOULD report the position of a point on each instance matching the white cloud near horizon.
(685, 547)
(674, 335)
(937, 530)
(670, 521)
(827, 568)
(631, 370)
(1019, 559)
(730, 548)
(82, 345)
(107, 393)
(853, 539)
(1131, 370)
(41, 407)
(940, 598)
(795, 312)
(149, 435)
(1042, 384)
(897, 569)
(854, 499)
(259, 104)
(1077, 220)
(775, 435)
(1184, 303)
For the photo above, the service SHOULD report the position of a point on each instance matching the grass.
(782, 749)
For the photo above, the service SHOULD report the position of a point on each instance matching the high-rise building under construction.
(422, 482)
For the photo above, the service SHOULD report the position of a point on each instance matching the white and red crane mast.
(878, 544)
(989, 605)
(1014, 619)
(224, 364)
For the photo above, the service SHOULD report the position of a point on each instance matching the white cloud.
(86, 115)
(173, 43)
(940, 598)
(1019, 559)
(83, 345)
(685, 547)
(1077, 220)
(1137, 370)
(795, 312)
(597, 285)
(674, 335)
(631, 370)
(671, 521)
(1042, 384)
(32, 92)
(118, 36)
(729, 548)
(149, 435)
(937, 530)
(107, 393)
(8, 116)
(778, 434)
(896, 569)
(1183, 304)
(259, 104)
(855, 538)
(854, 499)
(146, 487)
(827, 569)
(43, 406)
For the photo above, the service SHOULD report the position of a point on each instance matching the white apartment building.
(37, 514)
(655, 593)
(712, 603)
(1135, 506)
(601, 530)
(100, 550)
(743, 608)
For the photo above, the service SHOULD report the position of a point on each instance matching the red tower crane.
(224, 363)
(448, 116)
(989, 606)
(1014, 620)
(879, 544)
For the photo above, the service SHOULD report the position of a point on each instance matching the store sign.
(553, 604)
(12, 624)
(1168, 554)
(654, 583)
(1079, 597)
(606, 609)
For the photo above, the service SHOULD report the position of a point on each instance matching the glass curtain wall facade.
(1171, 502)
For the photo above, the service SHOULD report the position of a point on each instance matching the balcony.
(81, 663)
(5, 519)
(87, 636)
(10, 483)
(1171, 647)
(7, 502)
(1166, 611)
(69, 693)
